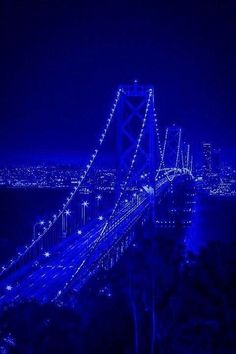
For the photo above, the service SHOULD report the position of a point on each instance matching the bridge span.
(80, 256)
(60, 257)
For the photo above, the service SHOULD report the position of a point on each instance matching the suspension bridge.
(73, 246)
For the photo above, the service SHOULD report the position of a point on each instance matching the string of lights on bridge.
(61, 291)
(65, 205)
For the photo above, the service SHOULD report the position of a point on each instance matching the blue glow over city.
(117, 194)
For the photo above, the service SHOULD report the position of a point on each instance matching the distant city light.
(46, 254)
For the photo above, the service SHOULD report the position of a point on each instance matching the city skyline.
(78, 159)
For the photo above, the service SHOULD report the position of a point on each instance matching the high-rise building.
(216, 160)
(206, 157)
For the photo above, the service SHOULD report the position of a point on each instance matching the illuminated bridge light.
(79, 232)
(8, 287)
(46, 254)
(100, 218)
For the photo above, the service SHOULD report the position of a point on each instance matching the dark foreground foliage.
(164, 303)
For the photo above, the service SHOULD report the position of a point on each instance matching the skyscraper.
(206, 157)
(216, 160)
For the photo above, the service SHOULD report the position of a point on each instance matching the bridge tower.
(173, 147)
(130, 121)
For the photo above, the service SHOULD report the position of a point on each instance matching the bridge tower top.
(136, 90)
(136, 125)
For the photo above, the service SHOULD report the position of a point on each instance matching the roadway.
(77, 257)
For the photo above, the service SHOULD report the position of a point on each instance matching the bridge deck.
(77, 257)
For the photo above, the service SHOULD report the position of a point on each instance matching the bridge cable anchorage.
(73, 193)
(60, 292)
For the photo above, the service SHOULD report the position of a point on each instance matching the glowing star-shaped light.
(68, 212)
(100, 218)
(42, 222)
(99, 197)
(85, 203)
(46, 254)
(8, 287)
(79, 232)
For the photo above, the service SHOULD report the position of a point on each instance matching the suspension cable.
(74, 192)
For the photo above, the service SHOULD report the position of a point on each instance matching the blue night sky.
(61, 62)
